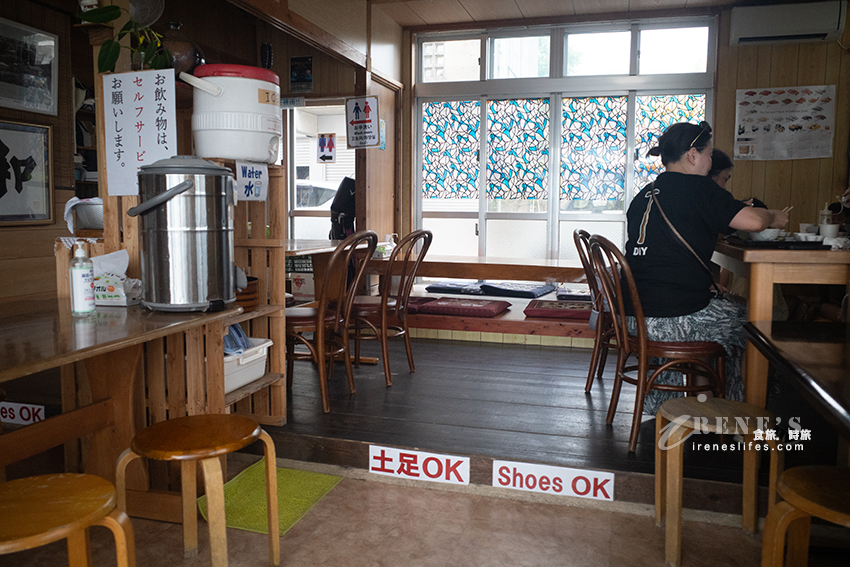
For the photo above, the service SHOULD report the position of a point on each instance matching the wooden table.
(814, 357)
(496, 268)
(42, 335)
(765, 268)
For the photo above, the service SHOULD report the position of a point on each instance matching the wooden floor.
(514, 402)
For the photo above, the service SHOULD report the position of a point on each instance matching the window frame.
(556, 87)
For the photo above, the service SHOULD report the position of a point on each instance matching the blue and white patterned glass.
(653, 115)
(450, 150)
(518, 150)
(593, 153)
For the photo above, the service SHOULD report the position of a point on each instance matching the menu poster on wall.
(784, 122)
(140, 125)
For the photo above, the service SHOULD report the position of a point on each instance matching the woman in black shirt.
(674, 287)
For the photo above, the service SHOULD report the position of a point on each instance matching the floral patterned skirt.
(721, 322)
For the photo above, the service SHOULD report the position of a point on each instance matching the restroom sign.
(362, 125)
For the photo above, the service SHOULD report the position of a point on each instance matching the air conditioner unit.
(781, 23)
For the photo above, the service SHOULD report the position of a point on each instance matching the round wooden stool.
(820, 491)
(204, 438)
(676, 421)
(38, 510)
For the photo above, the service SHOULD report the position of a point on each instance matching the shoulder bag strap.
(680, 237)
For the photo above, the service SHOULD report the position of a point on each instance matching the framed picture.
(26, 175)
(29, 68)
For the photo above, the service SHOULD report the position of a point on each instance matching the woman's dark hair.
(678, 138)
(720, 161)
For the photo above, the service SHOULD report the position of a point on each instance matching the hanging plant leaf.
(101, 15)
(161, 60)
(108, 56)
(128, 27)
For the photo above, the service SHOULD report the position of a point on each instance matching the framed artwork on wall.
(29, 68)
(26, 175)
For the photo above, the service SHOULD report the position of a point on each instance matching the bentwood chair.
(323, 326)
(819, 491)
(400, 273)
(38, 510)
(691, 358)
(602, 340)
(204, 439)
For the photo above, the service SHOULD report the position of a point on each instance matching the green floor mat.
(245, 497)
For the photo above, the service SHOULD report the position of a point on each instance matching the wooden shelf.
(92, 148)
(260, 311)
(252, 387)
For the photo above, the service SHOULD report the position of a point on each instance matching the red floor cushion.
(462, 306)
(558, 309)
(414, 303)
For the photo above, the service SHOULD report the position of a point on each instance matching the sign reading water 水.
(252, 181)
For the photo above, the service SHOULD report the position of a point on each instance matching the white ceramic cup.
(808, 227)
(829, 230)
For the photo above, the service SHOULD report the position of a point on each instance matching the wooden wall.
(28, 250)
(806, 184)
(331, 77)
(382, 173)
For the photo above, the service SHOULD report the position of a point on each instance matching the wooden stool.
(204, 438)
(677, 419)
(808, 491)
(38, 510)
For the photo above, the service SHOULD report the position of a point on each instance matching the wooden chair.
(409, 254)
(328, 319)
(38, 510)
(690, 358)
(604, 333)
(820, 491)
(676, 421)
(204, 438)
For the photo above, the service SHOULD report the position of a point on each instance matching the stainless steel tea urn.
(187, 234)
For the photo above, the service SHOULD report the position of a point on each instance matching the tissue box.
(241, 369)
(111, 289)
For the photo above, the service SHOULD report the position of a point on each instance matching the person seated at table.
(720, 173)
(674, 282)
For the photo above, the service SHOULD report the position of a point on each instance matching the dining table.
(814, 357)
(765, 267)
(38, 336)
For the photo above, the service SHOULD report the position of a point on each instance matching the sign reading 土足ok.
(582, 483)
(362, 125)
(418, 465)
(140, 125)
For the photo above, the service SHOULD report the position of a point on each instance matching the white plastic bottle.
(82, 284)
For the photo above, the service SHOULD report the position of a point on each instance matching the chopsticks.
(787, 209)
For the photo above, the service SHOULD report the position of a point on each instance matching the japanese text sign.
(418, 465)
(139, 125)
(362, 125)
(252, 181)
(554, 480)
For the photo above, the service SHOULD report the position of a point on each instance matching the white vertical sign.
(252, 181)
(362, 125)
(139, 125)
